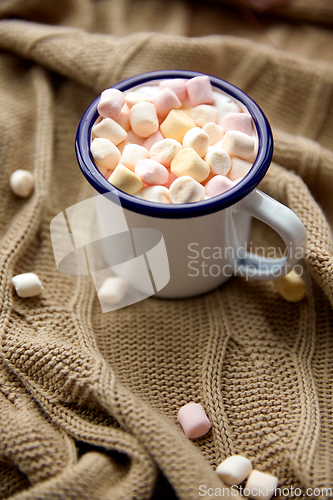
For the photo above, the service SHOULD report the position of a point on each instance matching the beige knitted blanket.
(89, 400)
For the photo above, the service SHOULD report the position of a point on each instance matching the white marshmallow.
(143, 119)
(105, 153)
(239, 168)
(149, 90)
(261, 485)
(132, 98)
(203, 114)
(239, 144)
(132, 153)
(158, 194)
(27, 285)
(234, 470)
(113, 290)
(165, 150)
(219, 161)
(214, 131)
(109, 129)
(225, 104)
(186, 190)
(198, 140)
(21, 183)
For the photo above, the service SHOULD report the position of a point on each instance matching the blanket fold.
(88, 401)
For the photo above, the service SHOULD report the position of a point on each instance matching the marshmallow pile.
(178, 141)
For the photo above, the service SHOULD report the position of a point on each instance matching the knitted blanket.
(88, 401)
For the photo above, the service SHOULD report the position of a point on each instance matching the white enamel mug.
(205, 241)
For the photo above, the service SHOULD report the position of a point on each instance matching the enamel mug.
(189, 249)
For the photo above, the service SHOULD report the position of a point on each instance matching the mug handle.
(286, 223)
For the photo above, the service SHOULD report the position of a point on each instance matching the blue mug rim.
(186, 210)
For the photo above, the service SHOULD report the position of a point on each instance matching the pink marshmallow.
(199, 90)
(172, 177)
(194, 421)
(177, 85)
(238, 121)
(106, 173)
(217, 185)
(110, 103)
(152, 172)
(150, 141)
(123, 119)
(165, 101)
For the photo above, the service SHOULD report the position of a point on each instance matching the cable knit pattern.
(88, 401)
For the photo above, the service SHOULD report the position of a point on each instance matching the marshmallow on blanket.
(194, 421)
(234, 469)
(27, 285)
(291, 287)
(113, 290)
(21, 183)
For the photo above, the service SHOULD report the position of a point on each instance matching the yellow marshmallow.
(188, 162)
(125, 180)
(291, 287)
(176, 124)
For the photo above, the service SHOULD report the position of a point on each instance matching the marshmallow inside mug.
(235, 190)
(179, 140)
